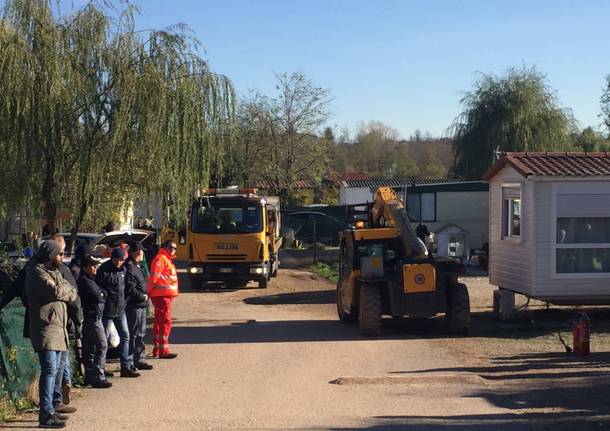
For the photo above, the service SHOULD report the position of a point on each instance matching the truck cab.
(233, 236)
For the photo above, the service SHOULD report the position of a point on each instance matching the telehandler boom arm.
(388, 211)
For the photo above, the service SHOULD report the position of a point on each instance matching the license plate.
(225, 270)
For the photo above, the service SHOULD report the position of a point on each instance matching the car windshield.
(219, 218)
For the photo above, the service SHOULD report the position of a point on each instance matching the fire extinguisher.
(581, 335)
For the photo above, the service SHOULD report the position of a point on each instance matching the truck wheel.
(369, 310)
(344, 316)
(458, 309)
(262, 284)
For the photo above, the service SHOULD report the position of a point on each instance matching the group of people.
(82, 301)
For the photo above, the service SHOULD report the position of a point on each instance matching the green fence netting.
(18, 361)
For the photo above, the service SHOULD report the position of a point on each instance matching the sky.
(403, 62)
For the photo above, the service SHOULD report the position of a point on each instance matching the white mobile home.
(549, 226)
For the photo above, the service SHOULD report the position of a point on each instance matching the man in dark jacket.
(95, 343)
(137, 301)
(47, 294)
(75, 265)
(111, 279)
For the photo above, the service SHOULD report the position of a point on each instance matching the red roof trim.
(570, 164)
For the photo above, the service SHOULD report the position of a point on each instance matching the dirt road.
(278, 359)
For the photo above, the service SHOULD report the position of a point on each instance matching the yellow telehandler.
(385, 269)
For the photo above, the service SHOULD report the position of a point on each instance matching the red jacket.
(163, 279)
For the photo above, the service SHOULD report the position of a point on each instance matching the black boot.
(129, 373)
(46, 420)
(101, 384)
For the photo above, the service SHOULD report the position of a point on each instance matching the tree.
(589, 141)
(280, 136)
(106, 112)
(374, 148)
(605, 105)
(515, 112)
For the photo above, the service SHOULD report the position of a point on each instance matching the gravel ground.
(278, 359)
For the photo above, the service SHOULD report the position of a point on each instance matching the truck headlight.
(196, 270)
(258, 270)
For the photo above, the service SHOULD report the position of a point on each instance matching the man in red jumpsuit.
(162, 289)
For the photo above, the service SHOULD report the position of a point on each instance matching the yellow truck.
(233, 236)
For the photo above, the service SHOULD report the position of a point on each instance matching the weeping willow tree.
(94, 113)
(515, 112)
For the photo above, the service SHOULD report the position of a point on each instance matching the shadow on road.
(333, 330)
(308, 297)
(554, 391)
(560, 421)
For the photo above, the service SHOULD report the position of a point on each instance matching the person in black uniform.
(137, 299)
(95, 343)
(111, 278)
(81, 251)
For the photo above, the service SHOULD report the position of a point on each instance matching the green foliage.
(514, 112)
(378, 151)
(605, 104)
(590, 141)
(93, 112)
(328, 271)
(280, 141)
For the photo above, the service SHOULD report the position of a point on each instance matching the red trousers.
(162, 324)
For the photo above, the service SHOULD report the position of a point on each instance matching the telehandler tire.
(263, 284)
(457, 316)
(369, 310)
(344, 316)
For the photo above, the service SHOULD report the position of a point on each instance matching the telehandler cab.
(385, 269)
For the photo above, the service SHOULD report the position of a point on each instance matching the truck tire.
(369, 310)
(262, 284)
(458, 309)
(344, 316)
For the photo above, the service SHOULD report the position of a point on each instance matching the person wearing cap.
(81, 251)
(95, 343)
(137, 300)
(47, 294)
(162, 289)
(110, 278)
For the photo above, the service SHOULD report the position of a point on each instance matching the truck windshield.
(219, 218)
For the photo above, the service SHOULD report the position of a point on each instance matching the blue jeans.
(49, 364)
(121, 326)
(63, 377)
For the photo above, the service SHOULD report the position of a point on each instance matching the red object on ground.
(581, 336)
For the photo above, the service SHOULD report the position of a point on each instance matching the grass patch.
(9, 408)
(326, 270)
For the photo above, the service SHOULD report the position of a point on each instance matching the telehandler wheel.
(458, 309)
(262, 284)
(344, 316)
(369, 310)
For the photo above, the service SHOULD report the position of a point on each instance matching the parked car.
(103, 245)
(12, 254)
(81, 238)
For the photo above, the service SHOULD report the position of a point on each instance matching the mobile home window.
(422, 206)
(511, 212)
(582, 242)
